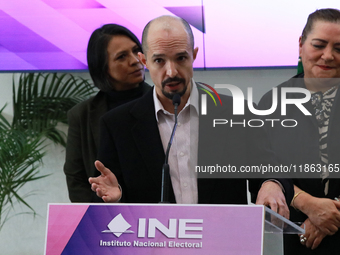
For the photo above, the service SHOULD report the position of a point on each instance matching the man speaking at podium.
(134, 137)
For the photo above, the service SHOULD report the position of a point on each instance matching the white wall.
(24, 234)
(6, 92)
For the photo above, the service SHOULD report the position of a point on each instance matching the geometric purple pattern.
(18, 38)
(73, 4)
(44, 35)
(47, 35)
(194, 15)
(30, 48)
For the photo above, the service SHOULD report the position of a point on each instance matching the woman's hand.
(313, 235)
(322, 212)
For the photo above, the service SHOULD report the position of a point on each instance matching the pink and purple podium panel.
(122, 229)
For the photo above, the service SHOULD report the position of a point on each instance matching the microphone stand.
(176, 100)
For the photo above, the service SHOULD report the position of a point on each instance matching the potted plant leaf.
(40, 102)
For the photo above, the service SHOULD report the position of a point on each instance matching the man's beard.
(170, 95)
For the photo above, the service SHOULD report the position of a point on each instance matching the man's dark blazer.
(82, 146)
(131, 147)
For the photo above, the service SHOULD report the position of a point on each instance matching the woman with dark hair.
(114, 66)
(314, 144)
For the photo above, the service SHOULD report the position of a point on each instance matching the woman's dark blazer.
(83, 144)
(300, 145)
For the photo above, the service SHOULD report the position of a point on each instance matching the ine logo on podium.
(177, 228)
(118, 226)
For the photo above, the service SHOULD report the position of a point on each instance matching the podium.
(165, 229)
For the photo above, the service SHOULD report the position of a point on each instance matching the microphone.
(176, 101)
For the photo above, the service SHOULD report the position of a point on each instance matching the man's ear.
(142, 58)
(300, 45)
(194, 55)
